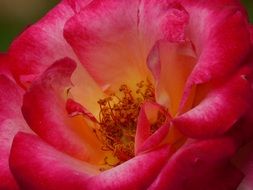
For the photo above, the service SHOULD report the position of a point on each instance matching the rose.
(85, 124)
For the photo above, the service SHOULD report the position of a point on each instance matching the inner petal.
(118, 119)
(171, 64)
(108, 47)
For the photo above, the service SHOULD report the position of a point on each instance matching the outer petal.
(42, 43)
(11, 122)
(220, 34)
(219, 110)
(136, 173)
(212, 26)
(36, 165)
(77, 5)
(200, 165)
(51, 121)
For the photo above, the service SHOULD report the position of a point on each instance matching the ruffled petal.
(136, 173)
(200, 165)
(36, 165)
(219, 110)
(74, 108)
(161, 19)
(51, 121)
(11, 122)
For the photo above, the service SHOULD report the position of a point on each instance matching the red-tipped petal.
(171, 64)
(36, 165)
(78, 5)
(41, 44)
(144, 139)
(201, 165)
(74, 108)
(108, 46)
(136, 173)
(11, 121)
(50, 120)
(218, 111)
(220, 34)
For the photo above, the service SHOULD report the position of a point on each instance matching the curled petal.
(144, 139)
(211, 30)
(50, 121)
(73, 108)
(218, 111)
(171, 64)
(36, 165)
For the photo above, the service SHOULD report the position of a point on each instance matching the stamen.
(118, 119)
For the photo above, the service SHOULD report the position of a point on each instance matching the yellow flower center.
(118, 119)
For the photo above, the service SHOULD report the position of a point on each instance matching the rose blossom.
(105, 94)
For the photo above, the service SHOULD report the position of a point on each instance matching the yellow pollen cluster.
(118, 119)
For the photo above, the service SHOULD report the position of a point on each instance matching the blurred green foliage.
(249, 6)
(15, 16)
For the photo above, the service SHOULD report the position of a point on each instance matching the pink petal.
(200, 165)
(11, 122)
(51, 121)
(212, 26)
(144, 139)
(74, 108)
(107, 46)
(220, 34)
(125, 30)
(42, 44)
(219, 110)
(171, 64)
(155, 139)
(36, 165)
(136, 173)
(77, 5)
(161, 19)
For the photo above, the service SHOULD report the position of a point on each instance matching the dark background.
(15, 15)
